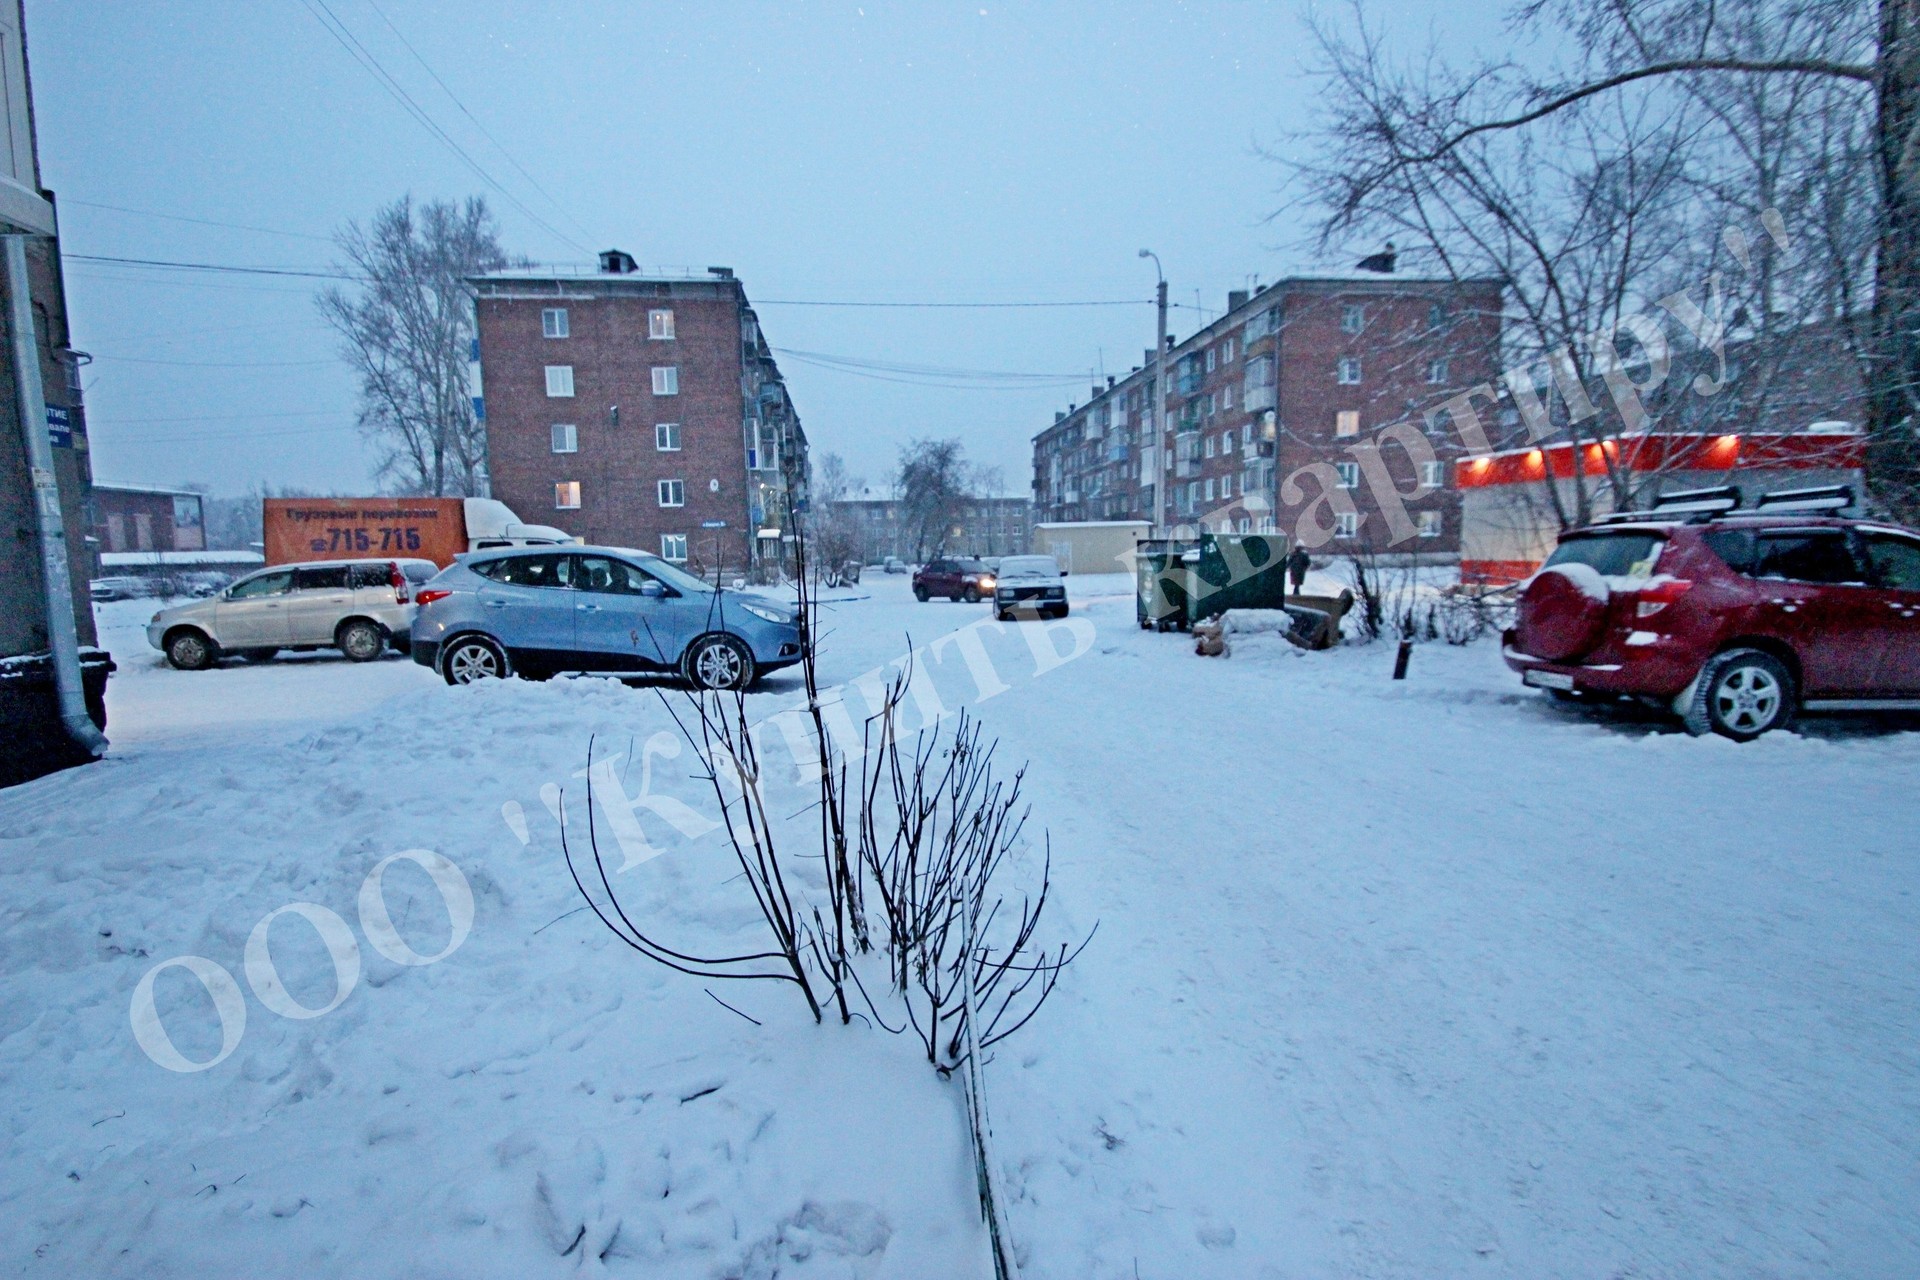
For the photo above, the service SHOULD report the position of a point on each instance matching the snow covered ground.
(1415, 979)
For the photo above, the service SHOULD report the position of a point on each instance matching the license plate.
(1547, 680)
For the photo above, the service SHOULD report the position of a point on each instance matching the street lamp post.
(1163, 453)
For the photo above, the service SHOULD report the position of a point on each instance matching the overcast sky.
(827, 152)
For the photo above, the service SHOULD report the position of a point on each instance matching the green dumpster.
(1236, 571)
(1160, 602)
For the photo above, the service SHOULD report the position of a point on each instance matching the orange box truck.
(436, 529)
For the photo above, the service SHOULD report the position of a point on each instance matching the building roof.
(148, 488)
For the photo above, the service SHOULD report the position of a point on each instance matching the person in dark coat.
(1297, 564)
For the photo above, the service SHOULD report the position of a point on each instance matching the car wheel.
(1741, 694)
(259, 655)
(190, 651)
(971, 595)
(1003, 615)
(920, 594)
(472, 659)
(361, 641)
(719, 662)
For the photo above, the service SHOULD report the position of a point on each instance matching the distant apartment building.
(1277, 410)
(984, 527)
(138, 518)
(639, 408)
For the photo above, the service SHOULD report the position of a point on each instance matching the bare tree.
(836, 550)
(935, 483)
(408, 329)
(1743, 109)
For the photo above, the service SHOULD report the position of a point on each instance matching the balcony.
(1256, 449)
(1255, 399)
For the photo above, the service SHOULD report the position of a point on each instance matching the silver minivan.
(356, 606)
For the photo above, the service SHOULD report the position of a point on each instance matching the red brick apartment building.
(1294, 382)
(639, 409)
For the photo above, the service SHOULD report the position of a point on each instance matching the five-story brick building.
(639, 409)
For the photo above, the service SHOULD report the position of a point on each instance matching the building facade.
(1308, 407)
(52, 682)
(134, 518)
(639, 409)
(985, 527)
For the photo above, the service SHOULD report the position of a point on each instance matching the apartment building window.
(1346, 524)
(673, 546)
(1226, 443)
(673, 493)
(1226, 486)
(666, 437)
(1353, 318)
(1346, 422)
(559, 380)
(1428, 523)
(566, 496)
(1436, 315)
(666, 380)
(1349, 473)
(566, 438)
(1437, 370)
(1210, 446)
(1349, 371)
(553, 322)
(1209, 489)
(1193, 494)
(1212, 355)
(1226, 351)
(1433, 475)
(660, 325)
(1226, 397)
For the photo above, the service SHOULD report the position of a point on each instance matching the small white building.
(1091, 546)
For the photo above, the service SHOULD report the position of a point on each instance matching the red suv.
(968, 580)
(1736, 620)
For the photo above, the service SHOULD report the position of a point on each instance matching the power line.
(218, 417)
(361, 54)
(213, 266)
(484, 131)
(215, 364)
(204, 222)
(1105, 302)
(856, 364)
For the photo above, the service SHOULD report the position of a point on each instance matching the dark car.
(969, 580)
(1735, 620)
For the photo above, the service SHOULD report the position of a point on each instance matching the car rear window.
(419, 571)
(1612, 555)
(329, 578)
(372, 575)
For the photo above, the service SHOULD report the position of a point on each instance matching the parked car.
(967, 580)
(599, 611)
(118, 588)
(893, 564)
(356, 606)
(1736, 620)
(1030, 584)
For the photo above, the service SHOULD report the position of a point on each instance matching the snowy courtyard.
(1391, 979)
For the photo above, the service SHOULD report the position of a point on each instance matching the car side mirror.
(1065, 572)
(652, 590)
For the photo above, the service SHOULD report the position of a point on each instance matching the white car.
(1030, 584)
(356, 606)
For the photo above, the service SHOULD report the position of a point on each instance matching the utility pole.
(1163, 452)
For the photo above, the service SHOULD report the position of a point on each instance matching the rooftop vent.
(618, 262)
(1236, 299)
(720, 273)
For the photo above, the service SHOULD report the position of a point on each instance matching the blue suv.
(540, 611)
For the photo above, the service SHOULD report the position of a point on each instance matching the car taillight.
(429, 594)
(1659, 595)
(398, 581)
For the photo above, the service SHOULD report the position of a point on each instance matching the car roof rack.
(1825, 497)
(1688, 504)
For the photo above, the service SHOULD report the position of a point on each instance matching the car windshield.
(1029, 567)
(1613, 555)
